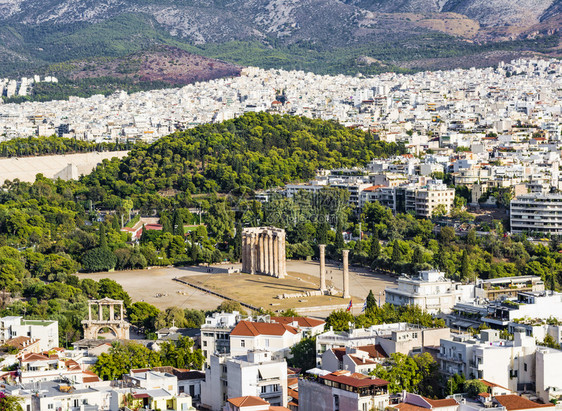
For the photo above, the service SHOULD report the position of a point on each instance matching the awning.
(268, 373)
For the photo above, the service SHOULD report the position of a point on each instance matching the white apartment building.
(215, 333)
(274, 337)
(255, 373)
(308, 326)
(536, 305)
(361, 360)
(343, 390)
(428, 199)
(549, 374)
(403, 338)
(538, 328)
(151, 380)
(536, 213)
(46, 331)
(510, 364)
(430, 291)
(59, 395)
(423, 200)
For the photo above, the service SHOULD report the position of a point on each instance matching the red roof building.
(343, 390)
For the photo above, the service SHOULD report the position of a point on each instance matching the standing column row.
(263, 251)
(345, 273)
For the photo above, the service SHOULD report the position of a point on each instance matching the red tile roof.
(449, 402)
(302, 321)
(339, 352)
(515, 402)
(247, 328)
(247, 401)
(374, 351)
(360, 361)
(36, 357)
(354, 380)
(408, 407)
(373, 188)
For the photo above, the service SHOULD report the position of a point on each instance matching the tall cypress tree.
(339, 236)
(166, 224)
(103, 237)
(237, 251)
(178, 225)
(371, 301)
(375, 245)
(465, 268)
(322, 231)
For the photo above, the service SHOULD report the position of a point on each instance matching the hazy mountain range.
(280, 32)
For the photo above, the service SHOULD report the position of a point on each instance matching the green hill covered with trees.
(50, 229)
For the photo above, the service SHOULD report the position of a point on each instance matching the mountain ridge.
(35, 32)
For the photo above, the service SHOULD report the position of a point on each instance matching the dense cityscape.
(284, 240)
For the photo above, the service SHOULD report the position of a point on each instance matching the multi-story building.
(549, 374)
(60, 395)
(362, 359)
(403, 338)
(427, 200)
(508, 363)
(422, 200)
(537, 305)
(274, 337)
(215, 333)
(494, 288)
(255, 373)
(343, 390)
(46, 331)
(430, 291)
(308, 326)
(536, 213)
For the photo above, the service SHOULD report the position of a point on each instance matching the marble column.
(244, 247)
(266, 253)
(282, 262)
(252, 248)
(100, 312)
(275, 247)
(262, 253)
(345, 273)
(122, 313)
(89, 311)
(111, 312)
(322, 267)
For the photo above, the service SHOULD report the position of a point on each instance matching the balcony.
(450, 359)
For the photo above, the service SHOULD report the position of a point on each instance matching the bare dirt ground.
(157, 287)
(146, 285)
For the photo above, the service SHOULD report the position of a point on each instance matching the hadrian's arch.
(106, 313)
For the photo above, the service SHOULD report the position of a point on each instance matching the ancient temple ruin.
(263, 251)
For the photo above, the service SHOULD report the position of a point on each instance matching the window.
(76, 403)
(50, 406)
(204, 343)
(242, 343)
(525, 367)
(336, 403)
